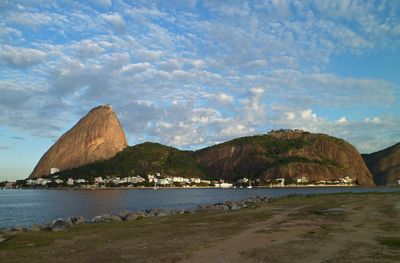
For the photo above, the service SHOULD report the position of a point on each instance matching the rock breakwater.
(61, 224)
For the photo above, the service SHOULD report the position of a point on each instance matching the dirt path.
(290, 236)
(230, 250)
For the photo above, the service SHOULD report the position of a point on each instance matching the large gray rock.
(58, 225)
(133, 216)
(2, 238)
(152, 212)
(76, 220)
(17, 229)
(106, 218)
(123, 214)
(34, 228)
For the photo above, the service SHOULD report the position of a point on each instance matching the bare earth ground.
(290, 229)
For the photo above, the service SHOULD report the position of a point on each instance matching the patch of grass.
(391, 242)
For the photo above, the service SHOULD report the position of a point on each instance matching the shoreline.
(262, 233)
(198, 187)
(190, 209)
(59, 224)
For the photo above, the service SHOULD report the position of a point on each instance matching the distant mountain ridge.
(385, 165)
(283, 154)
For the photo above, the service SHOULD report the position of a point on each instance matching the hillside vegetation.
(141, 159)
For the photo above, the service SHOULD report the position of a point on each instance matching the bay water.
(27, 207)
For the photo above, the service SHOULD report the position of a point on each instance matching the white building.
(30, 182)
(164, 181)
(206, 181)
(98, 180)
(41, 181)
(224, 185)
(178, 179)
(54, 170)
(151, 178)
(242, 181)
(58, 181)
(195, 180)
(70, 181)
(302, 180)
(116, 180)
(80, 181)
(280, 181)
(135, 179)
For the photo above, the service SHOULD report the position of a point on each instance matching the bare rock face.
(97, 136)
(385, 165)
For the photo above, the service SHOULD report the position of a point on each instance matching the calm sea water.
(27, 207)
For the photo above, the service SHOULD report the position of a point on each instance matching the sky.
(195, 73)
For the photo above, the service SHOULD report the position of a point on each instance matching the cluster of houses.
(152, 180)
(155, 180)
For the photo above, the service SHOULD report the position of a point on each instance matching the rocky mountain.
(285, 154)
(97, 136)
(384, 165)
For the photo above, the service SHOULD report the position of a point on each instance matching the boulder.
(34, 228)
(224, 207)
(123, 214)
(44, 227)
(106, 218)
(4, 231)
(160, 214)
(190, 211)
(18, 229)
(152, 212)
(58, 225)
(2, 238)
(235, 207)
(76, 220)
(133, 216)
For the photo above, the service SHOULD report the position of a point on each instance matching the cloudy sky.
(194, 73)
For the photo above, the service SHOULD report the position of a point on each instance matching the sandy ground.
(360, 228)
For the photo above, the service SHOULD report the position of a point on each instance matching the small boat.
(249, 186)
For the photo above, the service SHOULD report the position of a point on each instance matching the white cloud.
(254, 106)
(290, 115)
(342, 120)
(116, 21)
(224, 98)
(102, 3)
(88, 48)
(308, 115)
(169, 65)
(148, 55)
(374, 120)
(204, 115)
(136, 68)
(257, 63)
(31, 19)
(236, 130)
(21, 57)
